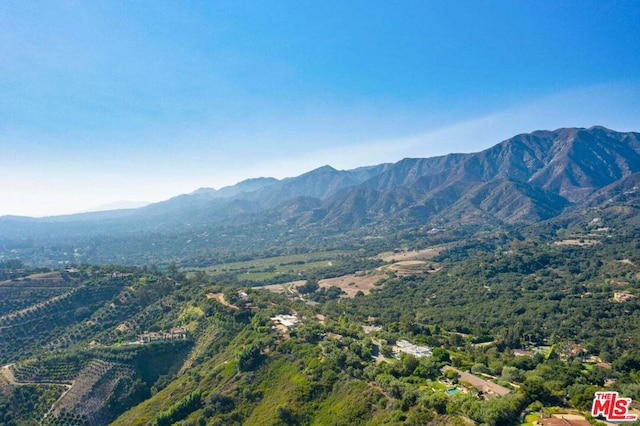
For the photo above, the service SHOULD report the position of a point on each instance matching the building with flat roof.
(404, 346)
(288, 321)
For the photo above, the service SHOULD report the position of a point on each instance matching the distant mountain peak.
(204, 190)
(596, 127)
(323, 169)
(257, 180)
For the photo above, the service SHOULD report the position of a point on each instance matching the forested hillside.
(521, 321)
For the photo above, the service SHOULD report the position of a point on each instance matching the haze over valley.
(522, 180)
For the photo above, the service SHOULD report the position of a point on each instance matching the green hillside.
(90, 345)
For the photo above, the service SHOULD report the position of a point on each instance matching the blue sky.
(105, 101)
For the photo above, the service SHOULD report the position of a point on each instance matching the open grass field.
(267, 268)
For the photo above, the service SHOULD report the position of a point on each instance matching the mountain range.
(525, 179)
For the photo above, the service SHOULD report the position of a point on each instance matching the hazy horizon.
(133, 204)
(104, 102)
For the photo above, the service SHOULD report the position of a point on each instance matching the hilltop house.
(404, 346)
(289, 322)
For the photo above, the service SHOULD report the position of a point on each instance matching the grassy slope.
(349, 403)
(282, 380)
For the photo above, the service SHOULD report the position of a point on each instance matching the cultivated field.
(268, 268)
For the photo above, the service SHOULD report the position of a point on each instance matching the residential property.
(574, 350)
(176, 333)
(289, 322)
(489, 389)
(404, 346)
(564, 420)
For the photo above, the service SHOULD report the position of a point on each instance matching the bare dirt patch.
(576, 242)
(353, 283)
(411, 267)
(220, 298)
(8, 374)
(428, 253)
(287, 288)
(45, 276)
(410, 263)
(123, 328)
(623, 296)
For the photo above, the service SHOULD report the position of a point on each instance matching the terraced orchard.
(84, 403)
(53, 370)
(43, 324)
(19, 294)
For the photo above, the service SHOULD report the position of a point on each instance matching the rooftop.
(404, 346)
